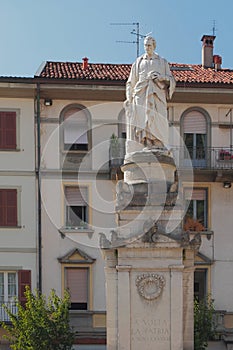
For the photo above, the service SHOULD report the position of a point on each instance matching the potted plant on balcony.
(224, 155)
(193, 225)
(227, 155)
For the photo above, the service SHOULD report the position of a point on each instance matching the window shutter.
(24, 279)
(2, 129)
(11, 209)
(8, 207)
(75, 134)
(8, 130)
(76, 195)
(11, 130)
(194, 123)
(196, 194)
(2, 208)
(77, 283)
(75, 127)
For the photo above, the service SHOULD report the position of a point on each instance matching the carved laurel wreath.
(150, 285)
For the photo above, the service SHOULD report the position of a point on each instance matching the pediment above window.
(76, 256)
(202, 259)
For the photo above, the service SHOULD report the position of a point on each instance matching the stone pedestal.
(149, 260)
(149, 296)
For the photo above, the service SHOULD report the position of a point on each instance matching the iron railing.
(10, 305)
(212, 158)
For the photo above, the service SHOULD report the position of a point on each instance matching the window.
(77, 270)
(12, 285)
(195, 137)
(200, 284)
(77, 284)
(76, 211)
(196, 204)
(8, 208)
(76, 129)
(8, 286)
(7, 130)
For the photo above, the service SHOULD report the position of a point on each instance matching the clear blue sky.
(33, 31)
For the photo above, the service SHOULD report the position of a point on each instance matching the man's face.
(149, 47)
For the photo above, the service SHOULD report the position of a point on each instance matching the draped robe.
(147, 112)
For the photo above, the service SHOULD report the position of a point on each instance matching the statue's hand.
(153, 75)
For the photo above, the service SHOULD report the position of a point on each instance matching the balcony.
(11, 305)
(209, 164)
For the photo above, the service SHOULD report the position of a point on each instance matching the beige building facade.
(75, 154)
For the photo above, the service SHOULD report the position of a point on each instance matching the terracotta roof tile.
(195, 73)
(94, 71)
(183, 73)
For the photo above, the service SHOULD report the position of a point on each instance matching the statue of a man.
(149, 86)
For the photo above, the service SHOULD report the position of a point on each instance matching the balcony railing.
(212, 158)
(204, 158)
(11, 305)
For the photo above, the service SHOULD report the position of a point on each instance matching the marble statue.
(149, 86)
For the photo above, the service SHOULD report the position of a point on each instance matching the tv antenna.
(214, 29)
(135, 31)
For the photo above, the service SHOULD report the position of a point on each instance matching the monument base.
(149, 259)
(150, 296)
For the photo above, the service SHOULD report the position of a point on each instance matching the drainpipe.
(39, 238)
(230, 112)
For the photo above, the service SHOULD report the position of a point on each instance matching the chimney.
(217, 62)
(85, 62)
(207, 50)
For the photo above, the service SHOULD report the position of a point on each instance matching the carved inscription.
(147, 331)
(150, 285)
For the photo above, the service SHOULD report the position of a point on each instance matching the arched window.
(76, 128)
(195, 129)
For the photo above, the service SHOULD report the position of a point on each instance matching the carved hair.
(150, 38)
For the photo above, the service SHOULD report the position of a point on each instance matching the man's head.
(149, 45)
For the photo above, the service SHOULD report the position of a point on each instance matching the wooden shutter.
(11, 209)
(7, 130)
(8, 207)
(24, 279)
(195, 123)
(76, 195)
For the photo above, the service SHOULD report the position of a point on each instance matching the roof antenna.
(214, 27)
(134, 31)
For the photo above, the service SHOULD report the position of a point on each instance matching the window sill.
(10, 150)
(66, 230)
(207, 233)
(74, 152)
(10, 227)
(84, 312)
